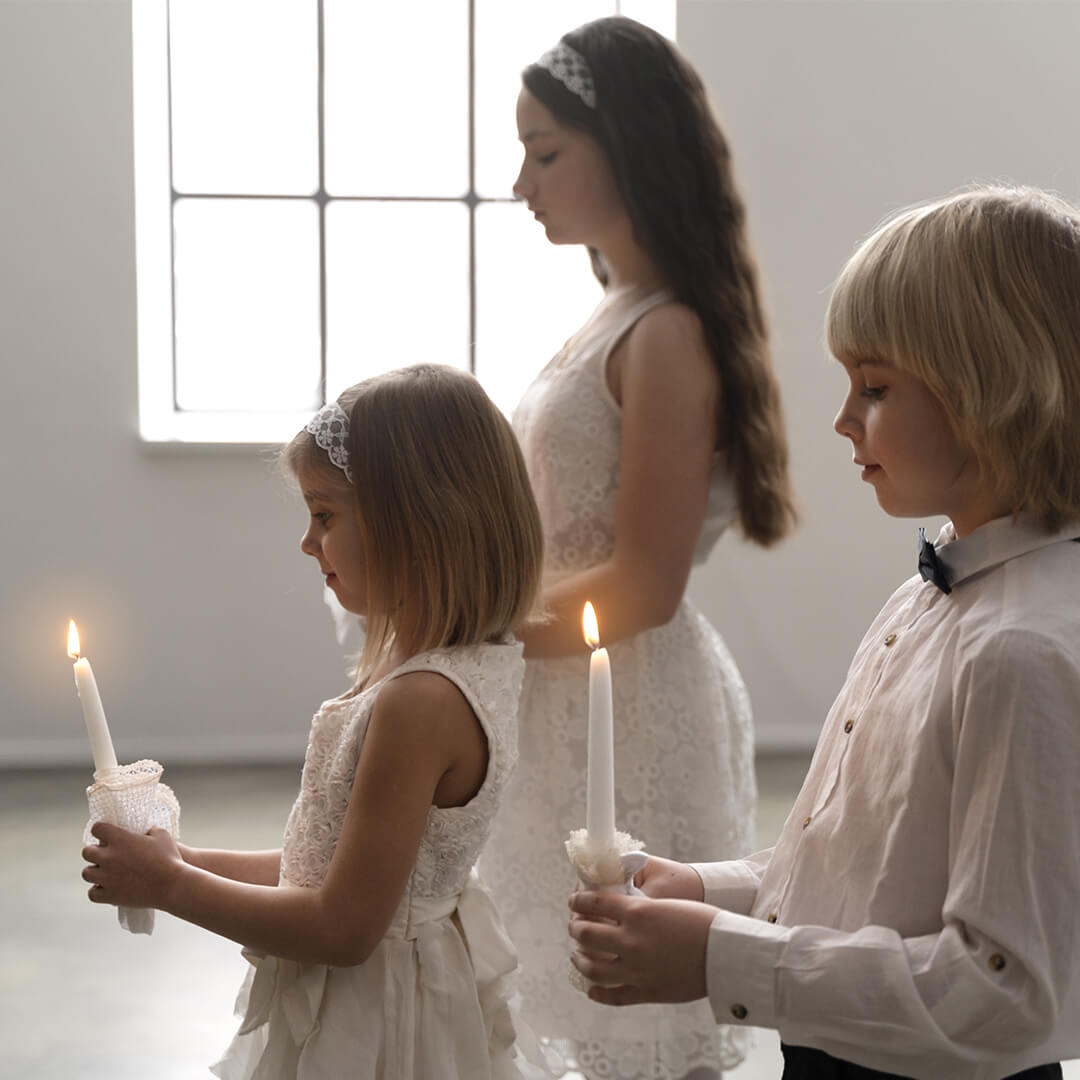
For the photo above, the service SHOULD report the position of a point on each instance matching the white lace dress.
(431, 1000)
(684, 775)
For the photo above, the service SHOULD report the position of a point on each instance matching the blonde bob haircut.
(978, 296)
(450, 529)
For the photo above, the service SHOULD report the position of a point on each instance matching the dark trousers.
(802, 1063)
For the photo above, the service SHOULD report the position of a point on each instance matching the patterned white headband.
(330, 426)
(569, 67)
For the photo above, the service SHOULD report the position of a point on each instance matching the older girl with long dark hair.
(655, 427)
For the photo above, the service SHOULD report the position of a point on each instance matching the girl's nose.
(522, 187)
(307, 545)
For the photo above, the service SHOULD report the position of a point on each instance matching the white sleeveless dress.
(431, 1000)
(684, 770)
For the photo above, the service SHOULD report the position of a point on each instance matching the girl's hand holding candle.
(97, 726)
(129, 796)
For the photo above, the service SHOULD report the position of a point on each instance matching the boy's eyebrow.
(858, 362)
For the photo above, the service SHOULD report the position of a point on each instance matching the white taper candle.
(97, 727)
(600, 789)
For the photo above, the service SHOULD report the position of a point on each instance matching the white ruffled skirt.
(430, 1001)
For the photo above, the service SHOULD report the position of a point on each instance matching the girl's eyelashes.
(874, 393)
(547, 159)
(321, 516)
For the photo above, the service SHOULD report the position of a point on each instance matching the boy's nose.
(845, 424)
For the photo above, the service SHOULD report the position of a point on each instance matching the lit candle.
(600, 791)
(93, 713)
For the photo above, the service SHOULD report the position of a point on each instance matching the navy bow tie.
(930, 566)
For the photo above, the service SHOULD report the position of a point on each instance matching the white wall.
(204, 624)
(838, 112)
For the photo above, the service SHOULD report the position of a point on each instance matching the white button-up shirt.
(920, 913)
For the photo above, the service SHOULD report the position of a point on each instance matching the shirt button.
(996, 961)
(738, 1011)
(805, 823)
(889, 639)
(848, 726)
(772, 918)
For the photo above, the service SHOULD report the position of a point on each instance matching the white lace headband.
(330, 426)
(569, 67)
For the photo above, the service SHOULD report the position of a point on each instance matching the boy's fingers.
(595, 937)
(602, 971)
(598, 905)
(618, 995)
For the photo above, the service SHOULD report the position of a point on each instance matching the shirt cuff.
(729, 885)
(741, 959)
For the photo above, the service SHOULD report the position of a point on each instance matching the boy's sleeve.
(998, 983)
(733, 885)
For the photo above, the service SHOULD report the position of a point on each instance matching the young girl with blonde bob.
(918, 915)
(376, 952)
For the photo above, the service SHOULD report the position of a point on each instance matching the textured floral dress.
(684, 775)
(431, 1000)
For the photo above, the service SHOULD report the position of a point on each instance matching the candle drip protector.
(608, 871)
(133, 797)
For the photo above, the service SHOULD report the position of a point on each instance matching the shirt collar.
(994, 543)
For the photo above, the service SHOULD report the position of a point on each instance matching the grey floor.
(80, 999)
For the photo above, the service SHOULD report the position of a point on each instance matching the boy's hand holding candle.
(604, 858)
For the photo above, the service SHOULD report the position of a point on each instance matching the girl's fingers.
(104, 831)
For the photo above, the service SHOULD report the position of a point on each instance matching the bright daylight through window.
(323, 192)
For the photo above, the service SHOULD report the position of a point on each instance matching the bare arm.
(418, 727)
(254, 867)
(667, 385)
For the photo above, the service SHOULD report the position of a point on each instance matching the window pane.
(247, 304)
(244, 96)
(530, 297)
(396, 100)
(397, 281)
(506, 42)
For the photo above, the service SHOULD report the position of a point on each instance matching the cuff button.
(738, 1011)
(996, 961)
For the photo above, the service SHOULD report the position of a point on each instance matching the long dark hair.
(673, 168)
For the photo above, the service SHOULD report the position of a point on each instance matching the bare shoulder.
(670, 324)
(666, 348)
(423, 703)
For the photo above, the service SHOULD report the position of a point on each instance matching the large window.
(323, 192)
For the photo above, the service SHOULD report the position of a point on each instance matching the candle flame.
(73, 640)
(589, 627)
